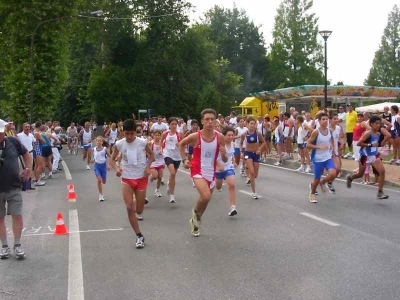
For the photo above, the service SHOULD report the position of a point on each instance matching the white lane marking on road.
(330, 223)
(337, 179)
(75, 273)
(66, 170)
(184, 171)
(71, 232)
(248, 193)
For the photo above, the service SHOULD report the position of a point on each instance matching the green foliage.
(240, 41)
(296, 56)
(50, 55)
(385, 70)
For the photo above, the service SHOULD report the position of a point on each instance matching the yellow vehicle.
(256, 107)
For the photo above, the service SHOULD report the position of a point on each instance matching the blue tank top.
(251, 138)
(371, 151)
(46, 139)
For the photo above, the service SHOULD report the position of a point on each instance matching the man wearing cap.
(10, 189)
(351, 121)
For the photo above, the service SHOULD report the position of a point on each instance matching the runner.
(157, 167)
(112, 135)
(321, 143)
(86, 135)
(172, 157)
(72, 132)
(195, 128)
(254, 147)
(369, 143)
(279, 139)
(226, 171)
(100, 154)
(134, 173)
(207, 145)
(338, 135)
(303, 132)
(239, 131)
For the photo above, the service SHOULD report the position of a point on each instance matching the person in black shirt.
(10, 189)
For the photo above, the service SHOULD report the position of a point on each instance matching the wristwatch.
(370, 145)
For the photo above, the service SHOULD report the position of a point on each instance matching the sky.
(357, 27)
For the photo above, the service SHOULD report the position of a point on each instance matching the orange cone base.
(60, 226)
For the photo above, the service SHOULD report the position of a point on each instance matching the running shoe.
(139, 217)
(248, 181)
(19, 251)
(254, 195)
(243, 174)
(194, 224)
(43, 177)
(171, 199)
(139, 242)
(278, 163)
(301, 169)
(382, 196)
(330, 188)
(348, 181)
(5, 252)
(398, 162)
(50, 176)
(312, 199)
(348, 155)
(101, 197)
(308, 170)
(392, 161)
(157, 193)
(87, 167)
(232, 211)
(162, 181)
(39, 183)
(146, 201)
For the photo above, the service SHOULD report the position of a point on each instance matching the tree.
(385, 70)
(50, 55)
(240, 41)
(296, 56)
(340, 83)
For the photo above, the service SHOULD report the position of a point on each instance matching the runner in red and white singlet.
(207, 145)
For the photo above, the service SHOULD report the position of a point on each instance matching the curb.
(293, 165)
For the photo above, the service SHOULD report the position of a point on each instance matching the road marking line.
(71, 232)
(248, 193)
(336, 179)
(75, 273)
(66, 170)
(184, 171)
(320, 219)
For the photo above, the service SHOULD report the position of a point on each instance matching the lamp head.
(325, 34)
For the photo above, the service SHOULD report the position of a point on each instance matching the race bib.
(131, 155)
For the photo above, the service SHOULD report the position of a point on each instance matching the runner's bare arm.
(191, 139)
(114, 157)
(150, 154)
(242, 137)
(311, 140)
(386, 138)
(222, 150)
(362, 141)
(262, 142)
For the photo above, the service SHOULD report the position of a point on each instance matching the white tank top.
(87, 137)
(240, 132)
(158, 158)
(170, 147)
(100, 157)
(207, 158)
(322, 155)
(113, 135)
(230, 153)
(179, 128)
(336, 136)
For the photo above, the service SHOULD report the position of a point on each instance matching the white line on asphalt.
(184, 171)
(337, 179)
(247, 193)
(75, 273)
(320, 219)
(71, 232)
(66, 170)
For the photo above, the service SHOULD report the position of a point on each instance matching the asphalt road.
(278, 247)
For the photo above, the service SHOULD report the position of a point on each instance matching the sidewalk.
(392, 176)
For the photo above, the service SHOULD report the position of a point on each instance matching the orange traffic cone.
(71, 193)
(60, 226)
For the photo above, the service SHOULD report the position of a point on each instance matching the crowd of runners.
(214, 148)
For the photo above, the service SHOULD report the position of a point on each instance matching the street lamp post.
(171, 79)
(325, 34)
(221, 80)
(97, 13)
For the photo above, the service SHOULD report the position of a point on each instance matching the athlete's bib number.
(131, 155)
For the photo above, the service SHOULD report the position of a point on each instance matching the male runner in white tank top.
(207, 145)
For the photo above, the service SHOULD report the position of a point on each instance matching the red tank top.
(357, 132)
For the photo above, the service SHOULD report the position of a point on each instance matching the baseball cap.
(3, 125)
